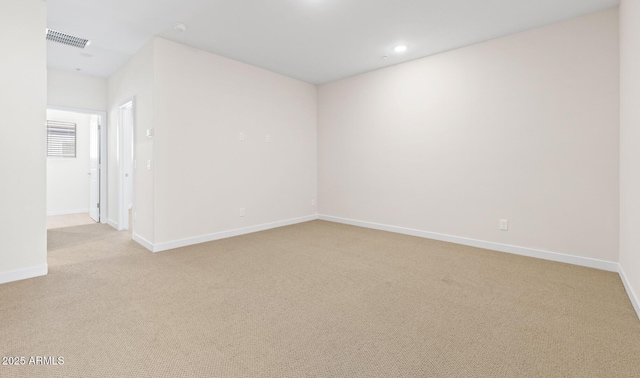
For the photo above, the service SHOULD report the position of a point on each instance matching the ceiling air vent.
(67, 39)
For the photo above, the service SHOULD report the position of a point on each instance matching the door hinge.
(98, 205)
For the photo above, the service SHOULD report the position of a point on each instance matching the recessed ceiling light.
(400, 48)
(180, 27)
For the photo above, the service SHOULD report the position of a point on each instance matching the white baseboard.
(23, 274)
(632, 295)
(113, 224)
(142, 241)
(227, 234)
(522, 251)
(67, 212)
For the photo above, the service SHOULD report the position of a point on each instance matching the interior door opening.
(76, 182)
(94, 168)
(126, 154)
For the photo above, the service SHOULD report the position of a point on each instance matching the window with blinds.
(61, 139)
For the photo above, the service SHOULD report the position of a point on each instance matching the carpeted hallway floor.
(313, 300)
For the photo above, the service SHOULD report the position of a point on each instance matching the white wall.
(630, 146)
(75, 90)
(67, 179)
(523, 128)
(133, 80)
(203, 173)
(23, 101)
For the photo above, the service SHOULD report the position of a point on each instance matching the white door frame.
(123, 209)
(103, 153)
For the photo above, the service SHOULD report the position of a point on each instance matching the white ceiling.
(317, 41)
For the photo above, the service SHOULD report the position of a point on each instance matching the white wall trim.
(67, 212)
(227, 234)
(113, 224)
(522, 251)
(23, 274)
(142, 241)
(632, 295)
(77, 110)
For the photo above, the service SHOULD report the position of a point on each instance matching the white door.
(94, 169)
(127, 162)
(128, 158)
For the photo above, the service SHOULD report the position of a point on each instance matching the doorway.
(126, 164)
(76, 180)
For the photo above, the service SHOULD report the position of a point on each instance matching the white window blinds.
(61, 139)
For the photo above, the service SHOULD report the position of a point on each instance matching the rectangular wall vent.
(67, 39)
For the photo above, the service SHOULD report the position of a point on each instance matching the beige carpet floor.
(313, 300)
